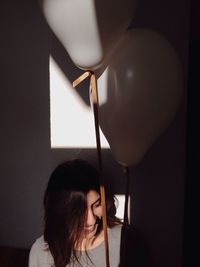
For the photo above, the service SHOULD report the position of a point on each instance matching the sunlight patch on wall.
(120, 206)
(72, 122)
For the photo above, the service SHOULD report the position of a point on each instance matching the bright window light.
(72, 121)
(120, 206)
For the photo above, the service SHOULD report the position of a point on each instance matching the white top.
(40, 255)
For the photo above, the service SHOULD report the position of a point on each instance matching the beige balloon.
(139, 93)
(88, 28)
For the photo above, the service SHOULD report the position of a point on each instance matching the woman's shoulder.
(115, 232)
(116, 228)
(121, 231)
(39, 253)
(125, 229)
(40, 244)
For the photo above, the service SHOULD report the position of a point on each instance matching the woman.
(73, 232)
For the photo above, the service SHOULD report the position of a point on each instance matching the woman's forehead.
(92, 197)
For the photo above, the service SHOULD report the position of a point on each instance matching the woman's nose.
(91, 218)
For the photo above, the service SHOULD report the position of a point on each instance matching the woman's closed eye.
(97, 204)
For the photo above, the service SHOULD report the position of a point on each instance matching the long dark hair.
(65, 208)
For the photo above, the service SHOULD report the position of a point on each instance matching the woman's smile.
(90, 231)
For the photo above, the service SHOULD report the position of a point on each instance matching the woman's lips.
(89, 229)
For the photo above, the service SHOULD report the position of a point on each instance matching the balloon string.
(95, 103)
(81, 78)
(127, 173)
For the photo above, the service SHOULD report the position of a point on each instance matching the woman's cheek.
(99, 212)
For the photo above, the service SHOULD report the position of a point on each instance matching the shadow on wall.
(157, 183)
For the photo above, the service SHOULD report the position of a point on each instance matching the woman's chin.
(90, 233)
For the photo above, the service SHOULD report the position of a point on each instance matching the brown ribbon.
(95, 104)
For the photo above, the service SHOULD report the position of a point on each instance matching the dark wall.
(157, 183)
(192, 199)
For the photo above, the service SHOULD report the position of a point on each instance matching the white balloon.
(88, 28)
(139, 93)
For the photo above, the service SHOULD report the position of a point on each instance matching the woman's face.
(94, 212)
